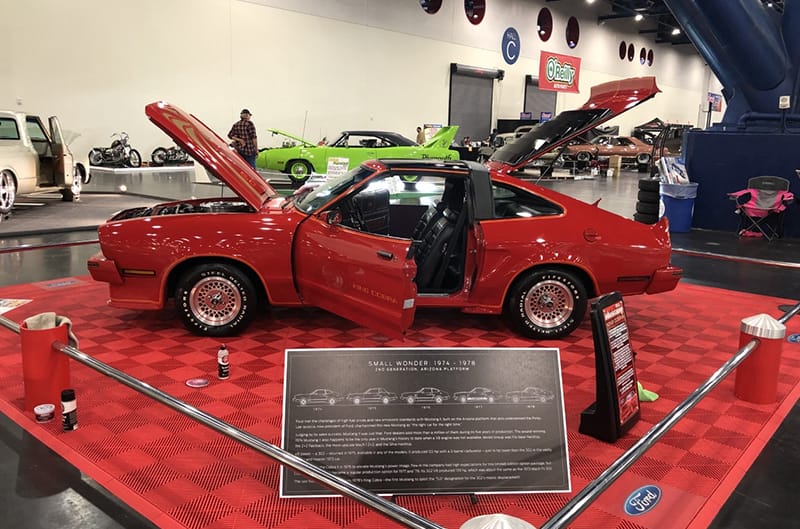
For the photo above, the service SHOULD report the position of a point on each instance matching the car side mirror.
(333, 217)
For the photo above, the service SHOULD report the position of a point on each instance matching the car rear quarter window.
(513, 203)
(8, 129)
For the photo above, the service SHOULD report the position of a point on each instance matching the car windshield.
(333, 187)
(545, 135)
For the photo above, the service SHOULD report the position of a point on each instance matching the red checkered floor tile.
(181, 474)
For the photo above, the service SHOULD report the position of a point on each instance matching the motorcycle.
(119, 154)
(169, 155)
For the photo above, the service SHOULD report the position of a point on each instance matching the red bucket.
(45, 370)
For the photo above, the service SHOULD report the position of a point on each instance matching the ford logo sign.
(642, 500)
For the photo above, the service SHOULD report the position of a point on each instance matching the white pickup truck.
(34, 158)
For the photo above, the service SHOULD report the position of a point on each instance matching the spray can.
(69, 410)
(223, 368)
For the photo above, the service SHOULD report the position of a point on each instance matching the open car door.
(62, 157)
(366, 278)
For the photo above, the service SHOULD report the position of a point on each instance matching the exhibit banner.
(427, 420)
(559, 73)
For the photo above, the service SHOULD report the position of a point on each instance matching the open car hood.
(606, 101)
(291, 137)
(214, 153)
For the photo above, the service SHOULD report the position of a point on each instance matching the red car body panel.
(298, 258)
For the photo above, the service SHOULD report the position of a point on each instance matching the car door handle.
(383, 254)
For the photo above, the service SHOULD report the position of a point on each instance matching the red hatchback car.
(371, 247)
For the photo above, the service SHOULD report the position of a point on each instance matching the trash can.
(678, 205)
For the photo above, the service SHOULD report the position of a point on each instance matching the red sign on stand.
(558, 72)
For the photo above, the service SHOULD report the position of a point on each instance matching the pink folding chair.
(761, 206)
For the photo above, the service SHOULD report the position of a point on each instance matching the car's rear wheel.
(8, 192)
(135, 159)
(546, 304)
(583, 156)
(299, 171)
(158, 156)
(216, 299)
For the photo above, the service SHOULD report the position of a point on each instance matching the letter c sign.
(510, 45)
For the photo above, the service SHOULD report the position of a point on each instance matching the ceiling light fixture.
(676, 31)
(639, 17)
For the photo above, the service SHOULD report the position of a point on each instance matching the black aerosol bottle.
(223, 367)
(69, 410)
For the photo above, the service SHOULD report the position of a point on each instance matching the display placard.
(617, 406)
(337, 166)
(427, 420)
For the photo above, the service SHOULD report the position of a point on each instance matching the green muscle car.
(349, 150)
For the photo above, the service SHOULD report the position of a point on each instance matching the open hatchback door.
(213, 153)
(606, 101)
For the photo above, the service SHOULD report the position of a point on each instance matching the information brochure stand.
(616, 409)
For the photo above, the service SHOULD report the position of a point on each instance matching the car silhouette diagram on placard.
(530, 394)
(434, 395)
(476, 395)
(373, 396)
(318, 396)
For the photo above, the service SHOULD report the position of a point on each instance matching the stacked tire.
(647, 203)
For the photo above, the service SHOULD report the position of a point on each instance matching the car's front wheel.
(8, 192)
(216, 300)
(583, 156)
(546, 304)
(299, 171)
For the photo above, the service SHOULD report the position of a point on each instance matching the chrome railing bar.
(789, 314)
(585, 497)
(342, 486)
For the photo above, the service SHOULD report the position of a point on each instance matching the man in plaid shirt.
(243, 134)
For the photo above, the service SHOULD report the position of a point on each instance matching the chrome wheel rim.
(548, 304)
(299, 170)
(215, 301)
(8, 191)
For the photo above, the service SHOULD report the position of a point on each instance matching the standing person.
(243, 134)
(420, 135)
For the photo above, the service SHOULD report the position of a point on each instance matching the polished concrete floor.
(53, 239)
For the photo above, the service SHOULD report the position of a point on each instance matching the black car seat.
(431, 255)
